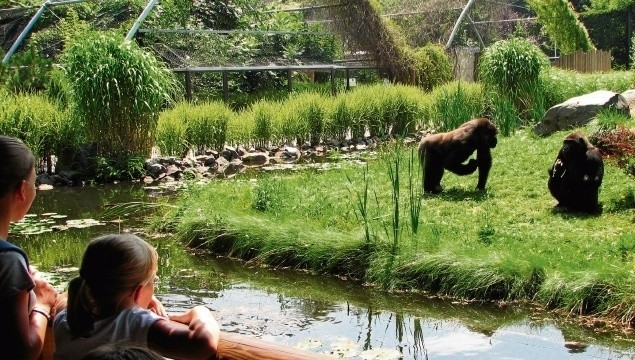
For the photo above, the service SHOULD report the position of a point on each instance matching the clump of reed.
(195, 127)
(118, 91)
(41, 124)
(452, 104)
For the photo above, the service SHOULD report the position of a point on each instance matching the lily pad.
(380, 354)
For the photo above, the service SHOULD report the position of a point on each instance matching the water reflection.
(319, 313)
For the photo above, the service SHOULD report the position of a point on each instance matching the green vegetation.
(510, 72)
(561, 22)
(507, 243)
(41, 124)
(192, 127)
(434, 66)
(118, 91)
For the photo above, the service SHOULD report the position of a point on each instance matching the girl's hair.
(112, 352)
(112, 265)
(16, 162)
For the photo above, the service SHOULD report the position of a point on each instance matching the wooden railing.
(586, 62)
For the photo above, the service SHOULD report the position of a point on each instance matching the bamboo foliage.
(119, 90)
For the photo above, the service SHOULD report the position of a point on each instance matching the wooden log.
(241, 347)
(230, 347)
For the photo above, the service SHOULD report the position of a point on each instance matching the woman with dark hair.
(26, 299)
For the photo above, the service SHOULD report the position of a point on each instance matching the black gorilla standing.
(449, 150)
(576, 175)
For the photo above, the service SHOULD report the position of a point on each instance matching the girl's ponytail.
(79, 308)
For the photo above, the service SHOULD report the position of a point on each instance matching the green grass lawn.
(507, 243)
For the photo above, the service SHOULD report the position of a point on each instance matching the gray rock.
(255, 158)
(229, 153)
(629, 96)
(155, 170)
(578, 111)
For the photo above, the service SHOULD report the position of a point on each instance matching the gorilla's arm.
(594, 167)
(454, 161)
(484, 159)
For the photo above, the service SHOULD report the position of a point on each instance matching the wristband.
(42, 312)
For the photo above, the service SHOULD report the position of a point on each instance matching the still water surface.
(316, 313)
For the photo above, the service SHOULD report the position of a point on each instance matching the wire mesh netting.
(12, 22)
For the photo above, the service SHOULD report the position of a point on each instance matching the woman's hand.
(45, 293)
(156, 307)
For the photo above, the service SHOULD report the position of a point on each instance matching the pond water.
(316, 313)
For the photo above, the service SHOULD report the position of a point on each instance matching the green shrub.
(118, 90)
(560, 21)
(433, 66)
(26, 72)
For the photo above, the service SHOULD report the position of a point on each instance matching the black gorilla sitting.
(576, 175)
(449, 150)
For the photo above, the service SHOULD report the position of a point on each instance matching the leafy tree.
(611, 5)
(561, 23)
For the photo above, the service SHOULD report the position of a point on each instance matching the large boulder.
(629, 96)
(579, 111)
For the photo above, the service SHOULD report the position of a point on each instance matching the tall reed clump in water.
(118, 91)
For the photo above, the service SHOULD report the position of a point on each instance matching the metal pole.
(458, 22)
(25, 31)
(140, 19)
(188, 86)
(67, 2)
(333, 91)
(289, 82)
(478, 35)
(225, 87)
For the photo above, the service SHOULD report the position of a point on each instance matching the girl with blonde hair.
(112, 302)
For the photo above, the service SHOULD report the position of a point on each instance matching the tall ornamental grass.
(339, 119)
(118, 90)
(45, 128)
(511, 69)
(262, 114)
(195, 127)
(311, 111)
(170, 135)
(207, 126)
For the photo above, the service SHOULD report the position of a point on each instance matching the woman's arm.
(191, 335)
(23, 333)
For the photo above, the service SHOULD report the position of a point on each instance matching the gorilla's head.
(574, 145)
(487, 132)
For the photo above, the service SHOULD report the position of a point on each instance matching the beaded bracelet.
(42, 312)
